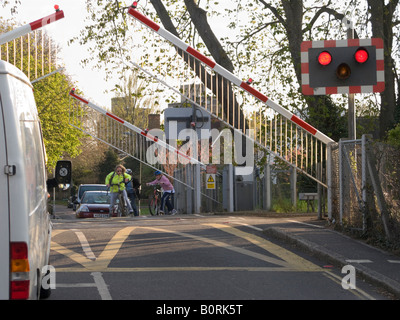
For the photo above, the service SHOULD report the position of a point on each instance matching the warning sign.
(210, 181)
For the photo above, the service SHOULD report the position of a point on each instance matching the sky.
(89, 81)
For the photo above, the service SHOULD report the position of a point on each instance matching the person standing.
(116, 180)
(132, 189)
(167, 197)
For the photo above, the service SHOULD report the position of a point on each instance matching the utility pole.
(351, 110)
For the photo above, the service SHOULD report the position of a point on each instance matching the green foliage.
(51, 95)
(394, 136)
(109, 163)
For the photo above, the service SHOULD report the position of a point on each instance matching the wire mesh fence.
(365, 188)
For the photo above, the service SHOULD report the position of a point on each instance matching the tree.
(109, 163)
(295, 18)
(382, 21)
(133, 102)
(287, 22)
(51, 95)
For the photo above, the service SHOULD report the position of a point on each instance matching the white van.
(25, 226)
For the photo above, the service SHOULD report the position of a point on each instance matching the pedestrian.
(116, 180)
(132, 189)
(167, 197)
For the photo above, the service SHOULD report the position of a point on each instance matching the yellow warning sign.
(210, 178)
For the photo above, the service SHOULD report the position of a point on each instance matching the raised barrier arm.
(37, 24)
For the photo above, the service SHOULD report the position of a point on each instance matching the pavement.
(315, 237)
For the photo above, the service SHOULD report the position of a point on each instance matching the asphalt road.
(187, 257)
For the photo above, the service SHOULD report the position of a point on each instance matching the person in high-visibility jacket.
(116, 180)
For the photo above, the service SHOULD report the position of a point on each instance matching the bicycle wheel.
(153, 207)
(122, 207)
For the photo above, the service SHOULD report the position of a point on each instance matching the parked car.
(95, 204)
(87, 187)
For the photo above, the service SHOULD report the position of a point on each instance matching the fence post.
(364, 184)
(197, 189)
(267, 187)
(293, 186)
(341, 187)
(228, 186)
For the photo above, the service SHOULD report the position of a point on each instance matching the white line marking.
(359, 261)
(101, 286)
(76, 285)
(307, 224)
(85, 244)
(394, 261)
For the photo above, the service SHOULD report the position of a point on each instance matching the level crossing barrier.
(199, 81)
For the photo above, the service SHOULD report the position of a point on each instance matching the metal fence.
(365, 187)
(35, 54)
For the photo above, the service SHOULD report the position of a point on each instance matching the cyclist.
(116, 180)
(132, 188)
(168, 192)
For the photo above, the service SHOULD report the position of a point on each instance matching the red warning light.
(57, 7)
(324, 58)
(361, 55)
(134, 4)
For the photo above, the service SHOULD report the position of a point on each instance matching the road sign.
(63, 172)
(342, 66)
(210, 181)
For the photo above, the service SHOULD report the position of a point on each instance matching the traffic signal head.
(343, 66)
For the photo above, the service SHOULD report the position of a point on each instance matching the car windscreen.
(96, 198)
(82, 189)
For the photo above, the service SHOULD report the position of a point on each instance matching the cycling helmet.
(157, 172)
(128, 171)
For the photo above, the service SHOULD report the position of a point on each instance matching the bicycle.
(155, 202)
(123, 209)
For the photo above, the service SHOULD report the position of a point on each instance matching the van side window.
(32, 144)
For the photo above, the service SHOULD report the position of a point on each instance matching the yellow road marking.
(102, 262)
(113, 247)
(357, 292)
(226, 246)
(188, 269)
(291, 262)
(291, 259)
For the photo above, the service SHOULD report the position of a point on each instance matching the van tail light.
(19, 271)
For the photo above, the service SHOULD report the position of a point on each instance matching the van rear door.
(4, 212)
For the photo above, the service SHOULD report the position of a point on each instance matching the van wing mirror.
(63, 174)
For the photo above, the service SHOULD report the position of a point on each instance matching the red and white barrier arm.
(25, 29)
(144, 133)
(226, 74)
